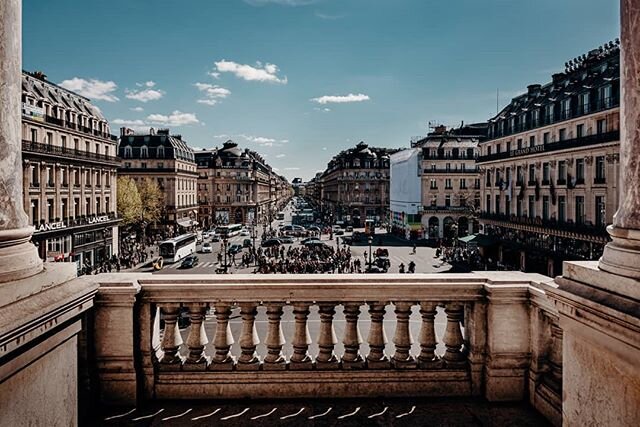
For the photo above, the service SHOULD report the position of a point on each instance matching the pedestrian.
(401, 268)
(414, 249)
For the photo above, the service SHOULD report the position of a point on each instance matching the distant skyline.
(300, 80)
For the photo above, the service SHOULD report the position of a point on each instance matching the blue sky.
(300, 80)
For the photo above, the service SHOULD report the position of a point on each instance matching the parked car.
(189, 261)
(246, 243)
(309, 239)
(338, 232)
(245, 233)
(206, 248)
(314, 228)
(286, 240)
(315, 243)
(349, 228)
(271, 242)
(215, 237)
(234, 249)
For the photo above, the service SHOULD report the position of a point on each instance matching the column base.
(18, 258)
(622, 256)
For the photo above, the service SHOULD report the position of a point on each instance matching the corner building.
(550, 167)
(69, 166)
(169, 161)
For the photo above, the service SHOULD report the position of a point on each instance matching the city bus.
(175, 249)
(226, 231)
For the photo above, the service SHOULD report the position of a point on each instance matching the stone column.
(622, 255)
(18, 257)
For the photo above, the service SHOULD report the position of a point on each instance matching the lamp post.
(224, 247)
(370, 242)
(254, 234)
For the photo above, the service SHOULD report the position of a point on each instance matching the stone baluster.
(274, 360)
(171, 338)
(453, 340)
(376, 359)
(248, 359)
(222, 360)
(402, 338)
(197, 339)
(428, 340)
(301, 338)
(327, 340)
(18, 256)
(555, 355)
(351, 359)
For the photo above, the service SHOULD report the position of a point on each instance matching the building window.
(532, 141)
(580, 210)
(463, 184)
(160, 152)
(447, 184)
(579, 171)
(580, 130)
(487, 206)
(507, 205)
(447, 200)
(545, 173)
(63, 141)
(127, 151)
(519, 207)
(532, 207)
(50, 210)
(600, 171)
(583, 100)
(76, 207)
(488, 183)
(562, 208)
(143, 165)
(497, 203)
(545, 207)
(519, 143)
(532, 173)
(562, 172)
(519, 175)
(87, 206)
(600, 211)
(34, 135)
(35, 176)
(144, 152)
(562, 134)
(601, 126)
(546, 138)
(476, 183)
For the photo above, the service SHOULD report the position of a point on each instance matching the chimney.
(124, 131)
(557, 77)
(152, 131)
(533, 89)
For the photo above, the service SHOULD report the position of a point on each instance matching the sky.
(300, 80)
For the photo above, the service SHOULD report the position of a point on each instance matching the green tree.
(152, 200)
(129, 202)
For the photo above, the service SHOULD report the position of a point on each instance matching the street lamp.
(370, 242)
(254, 234)
(224, 247)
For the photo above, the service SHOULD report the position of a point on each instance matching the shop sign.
(51, 226)
(97, 219)
(32, 111)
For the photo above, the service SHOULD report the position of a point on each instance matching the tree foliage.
(129, 202)
(152, 200)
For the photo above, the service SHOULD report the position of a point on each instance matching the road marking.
(235, 415)
(349, 415)
(120, 415)
(264, 415)
(320, 415)
(379, 413)
(206, 415)
(292, 415)
(147, 416)
(413, 408)
(177, 416)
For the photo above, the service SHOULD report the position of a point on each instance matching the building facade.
(355, 186)
(70, 170)
(405, 199)
(237, 186)
(167, 159)
(450, 181)
(550, 167)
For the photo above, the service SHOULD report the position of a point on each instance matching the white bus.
(175, 249)
(226, 231)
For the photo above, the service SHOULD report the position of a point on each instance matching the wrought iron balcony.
(56, 151)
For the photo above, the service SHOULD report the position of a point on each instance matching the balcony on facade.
(30, 147)
(548, 226)
(580, 142)
(76, 127)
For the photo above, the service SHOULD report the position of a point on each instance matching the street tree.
(129, 202)
(152, 200)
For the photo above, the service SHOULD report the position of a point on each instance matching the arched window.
(127, 152)
(144, 152)
(161, 152)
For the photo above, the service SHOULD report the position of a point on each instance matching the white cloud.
(212, 93)
(292, 169)
(138, 109)
(275, 169)
(340, 99)
(279, 156)
(93, 89)
(261, 73)
(176, 118)
(214, 74)
(263, 141)
(144, 95)
(324, 148)
(150, 83)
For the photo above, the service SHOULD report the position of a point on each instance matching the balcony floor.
(371, 412)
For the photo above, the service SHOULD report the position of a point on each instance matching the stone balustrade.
(481, 334)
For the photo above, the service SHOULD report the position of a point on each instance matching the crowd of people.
(307, 260)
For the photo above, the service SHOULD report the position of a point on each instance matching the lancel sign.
(49, 226)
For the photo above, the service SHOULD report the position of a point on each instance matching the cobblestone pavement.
(322, 412)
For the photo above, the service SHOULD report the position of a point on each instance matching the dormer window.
(144, 152)
(161, 152)
(127, 152)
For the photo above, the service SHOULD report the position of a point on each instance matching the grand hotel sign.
(526, 150)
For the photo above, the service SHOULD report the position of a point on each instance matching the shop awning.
(478, 239)
(186, 222)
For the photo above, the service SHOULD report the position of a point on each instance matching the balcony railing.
(56, 151)
(587, 229)
(261, 342)
(584, 141)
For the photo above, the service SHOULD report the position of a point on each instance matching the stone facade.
(237, 186)
(355, 186)
(168, 160)
(69, 174)
(549, 170)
